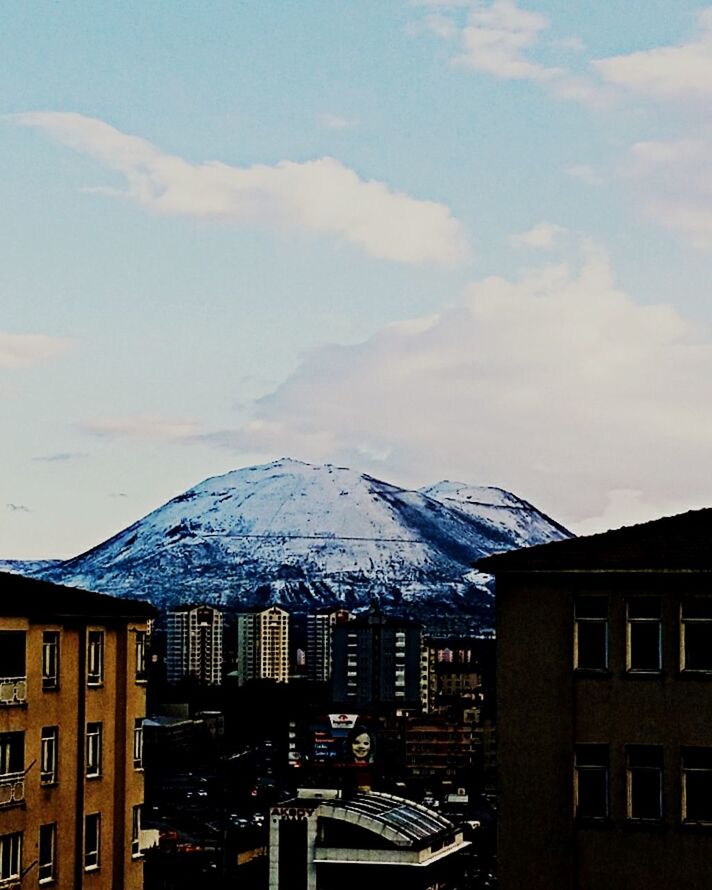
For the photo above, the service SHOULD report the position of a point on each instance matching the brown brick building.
(72, 702)
(605, 709)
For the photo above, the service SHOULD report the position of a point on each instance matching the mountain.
(308, 535)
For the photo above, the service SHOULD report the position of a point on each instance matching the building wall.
(545, 709)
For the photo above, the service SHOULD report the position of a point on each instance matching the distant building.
(263, 645)
(195, 645)
(440, 748)
(72, 703)
(369, 840)
(377, 661)
(319, 641)
(604, 684)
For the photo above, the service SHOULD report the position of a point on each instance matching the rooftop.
(674, 543)
(21, 596)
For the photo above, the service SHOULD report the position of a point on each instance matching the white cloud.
(671, 73)
(543, 236)
(556, 385)
(335, 121)
(25, 350)
(584, 173)
(142, 427)
(321, 197)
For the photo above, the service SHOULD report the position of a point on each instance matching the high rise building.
(377, 661)
(604, 683)
(319, 641)
(195, 645)
(72, 703)
(263, 645)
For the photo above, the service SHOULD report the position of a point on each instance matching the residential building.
(319, 641)
(72, 703)
(195, 645)
(263, 645)
(439, 747)
(604, 684)
(377, 662)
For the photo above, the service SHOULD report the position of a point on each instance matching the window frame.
(50, 644)
(685, 772)
(52, 862)
(49, 766)
(637, 620)
(652, 753)
(94, 744)
(686, 621)
(141, 655)
(95, 658)
(138, 743)
(587, 620)
(599, 768)
(95, 852)
(14, 857)
(12, 752)
(136, 831)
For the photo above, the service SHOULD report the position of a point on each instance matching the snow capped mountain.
(308, 535)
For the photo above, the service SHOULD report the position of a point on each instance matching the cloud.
(320, 197)
(18, 508)
(543, 236)
(60, 457)
(584, 173)
(141, 427)
(556, 385)
(25, 350)
(674, 178)
(335, 122)
(668, 73)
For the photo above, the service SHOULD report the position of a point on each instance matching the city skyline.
(426, 240)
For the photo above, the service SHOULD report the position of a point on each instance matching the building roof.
(401, 821)
(674, 543)
(21, 596)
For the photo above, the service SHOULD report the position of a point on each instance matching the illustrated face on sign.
(361, 746)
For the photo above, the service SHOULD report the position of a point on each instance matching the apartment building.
(72, 702)
(263, 645)
(194, 644)
(604, 694)
(320, 627)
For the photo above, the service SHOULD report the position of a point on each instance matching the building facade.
(377, 662)
(194, 645)
(72, 702)
(319, 641)
(263, 645)
(604, 689)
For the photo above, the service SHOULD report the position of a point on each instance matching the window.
(138, 744)
(697, 785)
(12, 753)
(95, 658)
(136, 832)
(50, 659)
(591, 782)
(644, 636)
(591, 633)
(696, 634)
(93, 749)
(644, 782)
(10, 856)
(46, 864)
(49, 750)
(92, 840)
(141, 653)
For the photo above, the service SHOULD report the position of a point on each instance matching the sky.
(466, 240)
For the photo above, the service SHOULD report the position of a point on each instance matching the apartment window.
(644, 782)
(50, 659)
(49, 750)
(591, 633)
(93, 765)
(95, 658)
(138, 744)
(136, 832)
(92, 841)
(12, 753)
(696, 634)
(10, 856)
(141, 654)
(46, 863)
(591, 782)
(697, 785)
(644, 636)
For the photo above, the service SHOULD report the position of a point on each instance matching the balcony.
(13, 690)
(12, 789)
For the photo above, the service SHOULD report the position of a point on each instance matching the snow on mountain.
(506, 512)
(307, 535)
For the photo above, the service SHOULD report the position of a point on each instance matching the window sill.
(53, 688)
(95, 685)
(93, 777)
(49, 783)
(598, 823)
(592, 672)
(92, 867)
(691, 674)
(632, 674)
(141, 681)
(46, 882)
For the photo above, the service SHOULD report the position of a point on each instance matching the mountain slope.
(299, 534)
